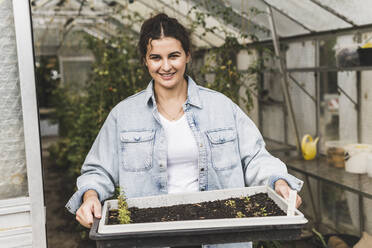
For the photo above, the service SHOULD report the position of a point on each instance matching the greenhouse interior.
(300, 69)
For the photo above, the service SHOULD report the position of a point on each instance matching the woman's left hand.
(282, 188)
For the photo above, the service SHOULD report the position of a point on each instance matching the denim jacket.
(130, 150)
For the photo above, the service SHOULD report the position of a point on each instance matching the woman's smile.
(167, 76)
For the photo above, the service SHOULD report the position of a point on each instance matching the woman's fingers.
(85, 213)
(298, 201)
(82, 216)
(282, 188)
(97, 209)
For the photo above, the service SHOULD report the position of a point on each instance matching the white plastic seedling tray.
(174, 199)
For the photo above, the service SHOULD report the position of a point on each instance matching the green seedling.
(124, 213)
(230, 203)
(240, 215)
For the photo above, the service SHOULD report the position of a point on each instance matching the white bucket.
(369, 164)
(356, 158)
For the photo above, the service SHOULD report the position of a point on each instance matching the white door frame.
(25, 53)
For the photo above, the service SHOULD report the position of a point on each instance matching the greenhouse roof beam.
(238, 17)
(186, 19)
(318, 35)
(140, 7)
(69, 13)
(43, 3)
(289, 16)
(332, 11)
(94, 33)
(61, 20)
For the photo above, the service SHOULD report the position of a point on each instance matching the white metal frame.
(23, 28)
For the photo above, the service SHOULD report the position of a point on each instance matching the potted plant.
(239, 226)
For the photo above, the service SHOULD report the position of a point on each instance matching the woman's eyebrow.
(174, 53)
(158, 55)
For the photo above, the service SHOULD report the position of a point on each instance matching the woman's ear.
(188, 57)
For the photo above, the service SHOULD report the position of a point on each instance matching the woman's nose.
(166, 66)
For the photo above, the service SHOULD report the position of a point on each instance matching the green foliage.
(46, 82)
(124, 213)
(116, 74)
(230, 203)
(319, 236)
(219, 69)
(240, 215)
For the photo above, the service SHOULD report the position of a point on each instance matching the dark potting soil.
(258, 205)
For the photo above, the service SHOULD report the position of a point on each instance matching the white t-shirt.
(182, 160)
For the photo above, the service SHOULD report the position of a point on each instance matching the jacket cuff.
(76, 199)
(293, 182)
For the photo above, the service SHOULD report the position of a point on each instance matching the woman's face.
(166, 61)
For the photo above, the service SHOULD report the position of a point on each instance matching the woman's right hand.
(90, 208)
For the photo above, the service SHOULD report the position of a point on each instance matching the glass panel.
(358, 11)
(284, 25)
(13, 177)
(367, 204)
(75, 73)
(339, 209)
(309, 14)
(329, 97)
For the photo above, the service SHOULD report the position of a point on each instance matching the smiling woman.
(174, 136)
(165, 50)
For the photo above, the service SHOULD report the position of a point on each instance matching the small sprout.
(124, 213)
(248, 207)
(230, 203)
(240, 215)
(263, 211)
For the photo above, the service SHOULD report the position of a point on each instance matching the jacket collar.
(193, 97)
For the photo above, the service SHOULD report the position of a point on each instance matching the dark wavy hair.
(160, 26)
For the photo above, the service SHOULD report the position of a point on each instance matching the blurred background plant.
(116, 74)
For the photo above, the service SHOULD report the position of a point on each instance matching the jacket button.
(201, 145)
(202, 189)
(201, 169)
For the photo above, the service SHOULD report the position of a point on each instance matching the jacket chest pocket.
(137, 150)
(223, 148)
